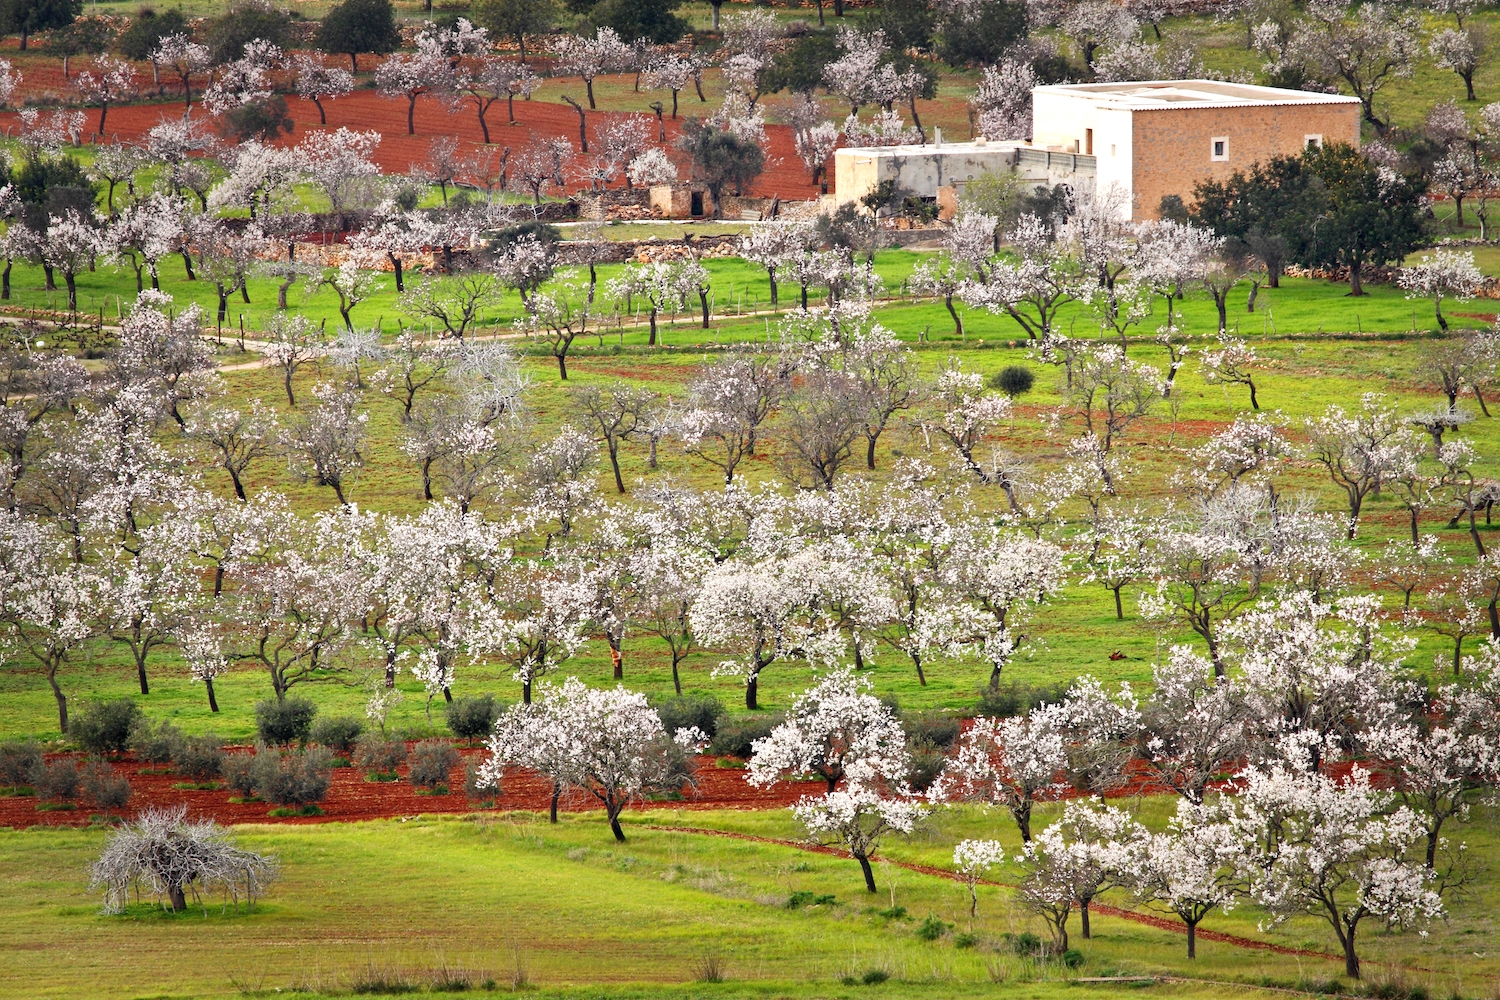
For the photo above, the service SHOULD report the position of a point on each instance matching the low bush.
(932, 928)
(337, 732)
(286, 722)
(103, 788)
(56, 781)
(473, 718)
(1015, 698)
(1025, 943)
(379, 755)
(733, 734)
(936, 729)
(156, 745)
(1072, 958)
(431, 763)
(17, 761)
(294, 779)
(701, 710)
(478, 787)
(926, 764)
(239, 772)
(104, 727)
(200, 757)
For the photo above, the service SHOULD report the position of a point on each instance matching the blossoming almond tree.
(1333, 848)
(1011, 762)
(859, 815)
(1192, 868)
(607, 744)
(829, 727)
(972, 860)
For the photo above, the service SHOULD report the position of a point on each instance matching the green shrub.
(1016, 698)
(200, 757)
(1025, 943)
(156, 745)
(733, 734)
(965, 940)
(338, 733)
(284, 722)
(104, 727)
(1072, 958)
(103, 788)
(936, 729)
(239, 772)
(55, 781)
(473, 718)
(874, 977)
(17, 760)
(378, 754)
(294, 779)
(927, 763)
(478, 787)
(431, 763)
(1013, 380)
(932, 928)
(701, 710)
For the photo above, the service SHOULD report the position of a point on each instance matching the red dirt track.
(365, 109)
(351, 797)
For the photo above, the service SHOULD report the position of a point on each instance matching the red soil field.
(351, 797)
(536, 121)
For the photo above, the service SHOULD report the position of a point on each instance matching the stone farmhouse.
(1150, 139)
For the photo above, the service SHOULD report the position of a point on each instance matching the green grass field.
(493, 894)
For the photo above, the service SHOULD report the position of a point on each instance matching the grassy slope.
(573, 907)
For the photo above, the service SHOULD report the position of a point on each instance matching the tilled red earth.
(535, 121)
(351, 797)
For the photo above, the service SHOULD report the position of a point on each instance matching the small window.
(1088, 140)
(1219, 148)
(1312, 141)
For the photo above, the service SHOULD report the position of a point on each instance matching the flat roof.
(1160, 95)
(944, 148)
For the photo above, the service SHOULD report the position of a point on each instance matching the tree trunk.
(1254, 403)
(62, 700)
(1192, 936)
(614, 462)
(617, 660)
(1119, 616)
(72, 291)
(1083, 916)
(614, 826)
(322, 115)
(213, 703)
(864, 866)
(411, 110)
(176, 897)
(1355, 288)
(1351, 957)
(140, 672)
(556, 794)
(750, 701)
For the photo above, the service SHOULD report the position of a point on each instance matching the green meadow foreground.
(561, 911)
